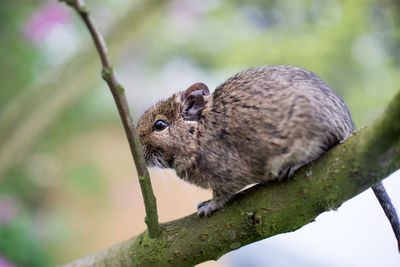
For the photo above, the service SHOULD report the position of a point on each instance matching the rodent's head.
(167, 131)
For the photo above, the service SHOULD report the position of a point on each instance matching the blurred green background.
(66, 176)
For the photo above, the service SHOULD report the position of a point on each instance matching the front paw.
(205, 208)
(202, 203)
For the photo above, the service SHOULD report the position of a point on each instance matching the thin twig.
(118, 93)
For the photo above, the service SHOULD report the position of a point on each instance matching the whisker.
(163, 162)
(187, 176)
(157, 162)
(150, 162)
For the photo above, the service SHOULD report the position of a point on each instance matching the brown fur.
(261, 124)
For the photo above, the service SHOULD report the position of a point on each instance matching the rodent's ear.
(193, 101)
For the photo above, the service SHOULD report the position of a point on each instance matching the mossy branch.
(363, 160)
(118, 93)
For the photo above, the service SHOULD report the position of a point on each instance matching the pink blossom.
(42, 22)
(5, 263)
(8, 210)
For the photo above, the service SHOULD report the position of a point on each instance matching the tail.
(389, 210)
(380, 192)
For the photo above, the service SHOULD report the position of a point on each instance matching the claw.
(202, 203)
(205, 208)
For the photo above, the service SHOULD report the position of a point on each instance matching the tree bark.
(262, 211)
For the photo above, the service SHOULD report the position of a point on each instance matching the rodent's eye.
(160, 125)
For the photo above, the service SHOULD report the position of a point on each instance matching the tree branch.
(366, 157)
(118, 93)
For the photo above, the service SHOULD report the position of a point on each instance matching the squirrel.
(261, 124)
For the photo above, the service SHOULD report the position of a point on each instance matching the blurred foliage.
(352, 45)
(86, 179)
(18, 57)
(20, 245)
